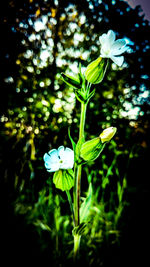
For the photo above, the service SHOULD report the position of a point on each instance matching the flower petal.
(53, 155)
(102, 38)
(118, 60)
(119, 47)
(69, 154)
(46, 157)
(104, 53)
(68, 159)
(111, 36)
(53, 167)
(51, 160)
(119, 51)
(61, 152)
(107, 41)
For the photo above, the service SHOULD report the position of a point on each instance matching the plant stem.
(78, 172)
(78, 169)
(76, 245)
(82, 120)
(71, 205)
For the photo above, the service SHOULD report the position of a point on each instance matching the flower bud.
(91, 149)
(108, 134)
(95, 71)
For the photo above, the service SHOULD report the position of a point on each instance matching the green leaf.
(85, 206)
(64, 179)
(119, 191)
(82, 77)
(124, 183)
(71, 81)
(42, 225)
(81, 96)
(91, 94)
(72, 141)
(105, 181)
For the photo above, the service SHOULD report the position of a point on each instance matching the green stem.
(82, 120)
(78, 172)
(78, 169)
(71, 205)
(76, 245)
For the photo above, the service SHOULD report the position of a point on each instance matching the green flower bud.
(91, 149)
(95, 71)
(108, 134)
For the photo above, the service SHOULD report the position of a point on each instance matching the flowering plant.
(67, 163)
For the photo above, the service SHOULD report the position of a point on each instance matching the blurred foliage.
(39, 40)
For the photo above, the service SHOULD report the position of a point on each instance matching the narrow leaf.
(71, 81)
(72, 141)
(85, 207)
(119, 191)
(91, 94)
(105, 181)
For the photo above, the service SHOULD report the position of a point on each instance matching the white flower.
(112, 49)
(107, 134)
(61, 158)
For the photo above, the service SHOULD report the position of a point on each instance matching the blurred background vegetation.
(39, 40)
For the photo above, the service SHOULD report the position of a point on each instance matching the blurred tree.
(53, 35)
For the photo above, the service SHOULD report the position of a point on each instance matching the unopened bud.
(107, 134)
(91, 149)
(95, 71)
